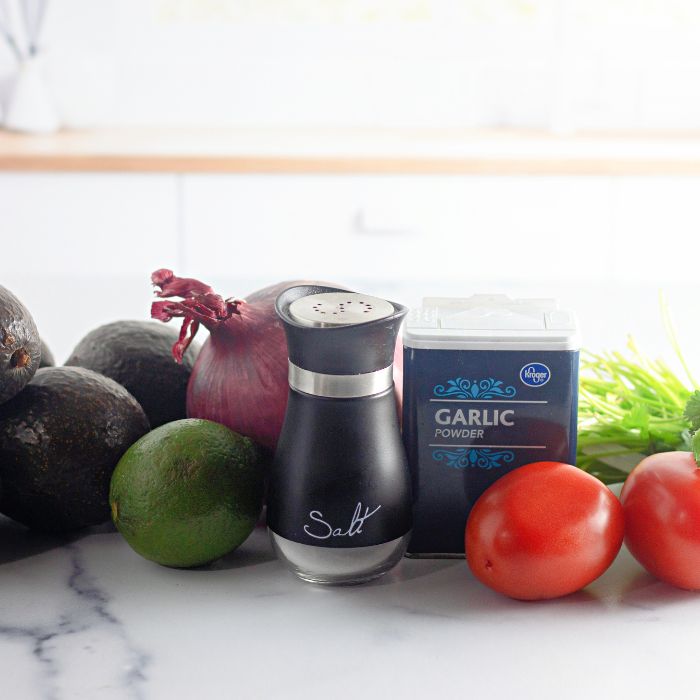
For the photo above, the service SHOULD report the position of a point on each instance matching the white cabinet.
(265, 226)
(656, 227)
(465, 231)
(452, 228)
(87, 225)
(78, 249)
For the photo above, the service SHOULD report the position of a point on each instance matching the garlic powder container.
(490, 384)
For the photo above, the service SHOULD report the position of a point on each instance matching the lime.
(187, 493)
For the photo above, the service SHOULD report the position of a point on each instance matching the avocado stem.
(20, 358)
(7, 338)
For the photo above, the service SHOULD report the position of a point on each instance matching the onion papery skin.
(240, 377)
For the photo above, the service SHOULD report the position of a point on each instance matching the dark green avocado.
(138, 355)
(60, 440)
(47, 359)
(20, 347)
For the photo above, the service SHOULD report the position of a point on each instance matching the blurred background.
(406, 148)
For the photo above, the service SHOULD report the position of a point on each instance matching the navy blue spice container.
(490, 384)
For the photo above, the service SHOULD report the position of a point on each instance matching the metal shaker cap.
(339, 309)
(355, 338)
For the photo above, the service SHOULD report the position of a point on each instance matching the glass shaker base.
(340, 566)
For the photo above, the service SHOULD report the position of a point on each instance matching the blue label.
(462, 457)
(535, 374)
(461, 388)
(471, 416)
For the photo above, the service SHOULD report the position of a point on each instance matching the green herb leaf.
(692, 410)
(603, 471)
(637, 419)
(629, 405)
(696, 448)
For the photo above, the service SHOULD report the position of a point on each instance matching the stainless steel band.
(340, 386)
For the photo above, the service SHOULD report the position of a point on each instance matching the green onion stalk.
(631, 406)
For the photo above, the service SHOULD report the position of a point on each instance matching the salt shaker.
(339, 503)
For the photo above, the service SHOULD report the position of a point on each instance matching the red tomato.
(542, 531)
(661, 500)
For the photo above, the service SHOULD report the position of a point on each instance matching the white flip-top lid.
(491, 322)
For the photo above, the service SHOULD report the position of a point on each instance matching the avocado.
(47, 359)
(60, 440)
(20, 348)
(138, 355)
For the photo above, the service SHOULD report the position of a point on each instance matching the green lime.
(188, 492)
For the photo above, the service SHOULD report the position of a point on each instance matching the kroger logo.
(535, 374)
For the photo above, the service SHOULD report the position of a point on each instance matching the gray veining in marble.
(87, 618)
(80, 645)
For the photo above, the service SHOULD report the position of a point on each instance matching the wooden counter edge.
(329, 165)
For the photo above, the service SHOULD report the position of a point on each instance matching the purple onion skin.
(240, 376)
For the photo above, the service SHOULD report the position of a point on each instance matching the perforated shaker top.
(339, 309)
(335, 331)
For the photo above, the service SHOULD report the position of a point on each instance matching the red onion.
(240, 375)
(398, 374)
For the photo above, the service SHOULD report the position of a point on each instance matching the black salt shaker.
(339, 504)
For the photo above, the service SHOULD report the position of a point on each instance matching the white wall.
(558, 63)
(79, 248)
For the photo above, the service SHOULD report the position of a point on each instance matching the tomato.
(661, 500)
(543, 530)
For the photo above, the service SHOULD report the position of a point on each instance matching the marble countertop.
(86, 617)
